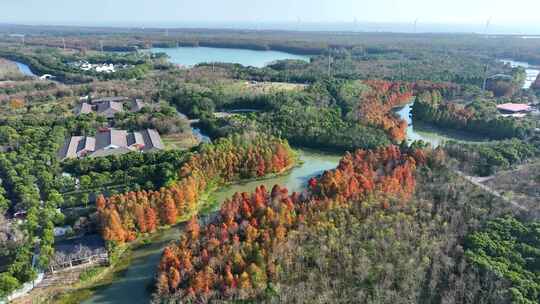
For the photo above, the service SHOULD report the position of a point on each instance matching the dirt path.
(478, 182)
(50, 286)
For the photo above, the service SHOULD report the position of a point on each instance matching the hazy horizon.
(383, 15)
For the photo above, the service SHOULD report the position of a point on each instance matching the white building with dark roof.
(111, 141)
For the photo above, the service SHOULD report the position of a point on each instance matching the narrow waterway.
(133, 286)
(202, 138)
(25, 69)
(434, 136)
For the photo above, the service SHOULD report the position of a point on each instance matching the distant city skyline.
(517, 17)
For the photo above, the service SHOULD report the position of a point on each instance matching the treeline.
(164, 119)
(84, 166)
(503, 86)
(234, 257)
(52, 61)
(536, 84)
(28, 184)
(122, 217)
(330, 114)
(342, 115)
(412, 252)
(44, 63)
(486, 159)
(377, 105)
(479, 117)
(119, 173)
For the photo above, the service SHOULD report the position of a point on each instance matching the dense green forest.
(480, 117)
(509, 249)
(486, 159)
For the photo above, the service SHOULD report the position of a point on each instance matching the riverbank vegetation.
(350, 237)
(330, 115)
(478, 117)
(240, 157)
(234, 257)
(9, 71)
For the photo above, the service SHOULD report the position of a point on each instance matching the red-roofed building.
(512, 108)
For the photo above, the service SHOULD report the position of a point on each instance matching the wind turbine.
(488, 24)
(415, 24)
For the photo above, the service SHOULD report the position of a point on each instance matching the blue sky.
(142, 12)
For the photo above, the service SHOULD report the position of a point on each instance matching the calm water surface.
(431, 134)
(189, 56)
(25, 69)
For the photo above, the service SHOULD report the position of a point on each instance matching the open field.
(266, 87)
(179, 141)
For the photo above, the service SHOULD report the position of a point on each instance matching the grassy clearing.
(179, 141)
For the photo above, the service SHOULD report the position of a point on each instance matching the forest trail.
(478, 182)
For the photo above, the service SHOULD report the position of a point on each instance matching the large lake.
(190, 56)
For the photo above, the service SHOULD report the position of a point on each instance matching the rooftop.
(84, 108)
(109, 106)
(111, 141)
(514, 107)
(112, 98)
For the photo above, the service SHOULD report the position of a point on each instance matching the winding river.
(133, 285)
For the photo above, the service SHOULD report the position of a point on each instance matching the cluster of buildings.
(109, 106)
(98, 67)
(110, 141)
